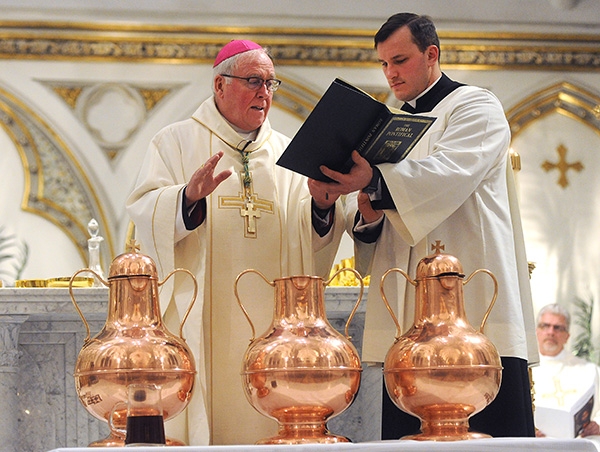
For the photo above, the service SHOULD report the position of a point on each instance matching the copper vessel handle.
(191, 305)
(387, 304)
(237, 297)
(87, 326)
(360, 295)
(111, 422)
(489, 309)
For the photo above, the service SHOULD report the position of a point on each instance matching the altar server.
(454, 193)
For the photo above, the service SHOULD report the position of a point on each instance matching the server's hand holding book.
(347, 118)
(566, 421)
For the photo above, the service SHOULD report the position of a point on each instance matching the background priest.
(562, 380)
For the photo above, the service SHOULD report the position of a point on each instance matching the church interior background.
(85, 85)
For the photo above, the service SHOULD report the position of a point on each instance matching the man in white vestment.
(454, 193)
(562, 379)
(209, 198)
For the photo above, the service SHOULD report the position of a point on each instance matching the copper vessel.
(442, 370)
(301, 371)
(133, 347)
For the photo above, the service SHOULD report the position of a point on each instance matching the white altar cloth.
(479, 445)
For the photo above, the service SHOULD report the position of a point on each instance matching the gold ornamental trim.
(564, 98)
(56, 187)
(289, 46)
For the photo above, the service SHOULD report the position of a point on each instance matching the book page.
(566, 422)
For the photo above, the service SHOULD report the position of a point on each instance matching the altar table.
(479, 445)
(41, 335)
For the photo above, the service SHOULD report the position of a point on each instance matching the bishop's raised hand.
(203, 182)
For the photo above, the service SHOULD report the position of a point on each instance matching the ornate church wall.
(79, 104)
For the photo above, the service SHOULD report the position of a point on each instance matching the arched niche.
(56, 186)
(556, 133)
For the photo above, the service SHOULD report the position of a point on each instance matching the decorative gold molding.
(299, 100)
(185, 45)
(153, 96)
(295, 98)
(56, 187)
(81, 96)
(521, 56)
(68, 94)
(564, 98)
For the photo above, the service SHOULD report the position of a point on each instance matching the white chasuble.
(563, 382)
(264, 225)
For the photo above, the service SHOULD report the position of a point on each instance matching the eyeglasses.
(556, 328)
(256, 83)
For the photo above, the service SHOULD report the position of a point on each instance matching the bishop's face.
(408, 70)
(552, 334)
(241, 105)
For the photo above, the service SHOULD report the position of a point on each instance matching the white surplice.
(452, 189)
(276, 238)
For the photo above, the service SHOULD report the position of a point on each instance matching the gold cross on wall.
(562, 166)
(250, 206)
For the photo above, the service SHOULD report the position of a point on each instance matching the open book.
(567, 422)
(345, 119)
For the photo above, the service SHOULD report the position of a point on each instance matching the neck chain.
(246, 178)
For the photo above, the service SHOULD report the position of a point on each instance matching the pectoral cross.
(250, 206)
(562, 166)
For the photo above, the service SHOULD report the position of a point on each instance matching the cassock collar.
(209, 116)
(434, 96)
(413, 102)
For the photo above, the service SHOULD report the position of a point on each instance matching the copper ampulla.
(301, 371)
(133, 347)
(441, 370)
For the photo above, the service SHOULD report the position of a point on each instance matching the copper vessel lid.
(439, 264)
(132, 263)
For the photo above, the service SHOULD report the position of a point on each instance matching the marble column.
(9, 377)
(41, 335)
(362, 420)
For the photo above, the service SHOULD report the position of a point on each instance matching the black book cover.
(346, 118)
